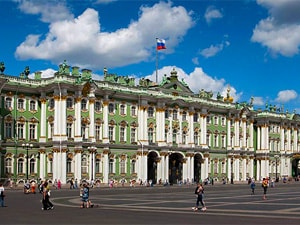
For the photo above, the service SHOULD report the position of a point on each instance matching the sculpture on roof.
(2, 67)
(205, 94)
(164, 80)
(26, 71)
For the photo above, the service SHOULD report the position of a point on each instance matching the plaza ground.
(226, 204)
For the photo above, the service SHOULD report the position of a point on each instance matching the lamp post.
(27, 146)
(276, 164)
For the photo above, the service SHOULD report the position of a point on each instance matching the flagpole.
(156, 60)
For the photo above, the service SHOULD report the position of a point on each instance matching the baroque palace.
(71, 126)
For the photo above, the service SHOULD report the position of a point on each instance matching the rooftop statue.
(26, 71)
(2, 67)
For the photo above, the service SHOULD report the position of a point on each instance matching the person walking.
(199, 191)
(85, 193)
(252, 186)
(47, 204)
(265, 187)
(2, 195)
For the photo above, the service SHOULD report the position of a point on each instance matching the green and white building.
(70, 126)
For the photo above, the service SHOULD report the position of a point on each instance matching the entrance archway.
(197, 168)
(152, 166)
(175, 168)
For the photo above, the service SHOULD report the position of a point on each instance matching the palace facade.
(71, 126)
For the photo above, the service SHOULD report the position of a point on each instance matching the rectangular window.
(122, 166)
(122, 134)
(32, 131)
(20, 130)
(20, 166)
(69, 130)
(98, 129)
(111, 133)
(8, 130)
(132, 135)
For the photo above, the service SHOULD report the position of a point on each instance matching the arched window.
(20, 166)
(98, 106)
(51, 103)
(84, 164)
(32, 105)
(8, 103)
(150, 135)
(184, 137)
(69, 165)
(111, 108)
(32, 166)
(195, 117)
(69, 103)
(83, 104)
(8, 166)
(123, 166)
(133, 111)
(21, 104)
(150, 112)
(174, 137)
(97, 166)
(196, 138)
(111, 166)
(132, 167)
(122, 110)
(175, 114)
(184, 115)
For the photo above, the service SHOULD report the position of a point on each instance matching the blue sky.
(251, 46)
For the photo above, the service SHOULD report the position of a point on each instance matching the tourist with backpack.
(199, 191)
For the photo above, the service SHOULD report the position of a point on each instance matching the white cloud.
(198, 80)
(81, 42)
(286, 96)
(213, 49)
(280, 31)
(105, 1)
(212, 13)
(258, 101)
(50, 11)
(195, 60)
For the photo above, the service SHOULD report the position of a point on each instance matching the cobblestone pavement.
(226, 204)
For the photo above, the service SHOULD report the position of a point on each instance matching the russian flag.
(161, 44)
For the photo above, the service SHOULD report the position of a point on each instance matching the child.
(252, 186)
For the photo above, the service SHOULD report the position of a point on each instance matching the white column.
(229, 133)
(244, 168)
(251, 136)
(191, 129)
(42, 165)
(160, 128)
(63, 163)
(258, 138)
(167, 168)
(77, 169)
(236, 133)
(43, 121)
(106, 166)
(295, 140)
(244, 130)
(105, 123)
(77, 137)
(92, 119)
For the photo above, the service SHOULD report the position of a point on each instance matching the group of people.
(264, 184)
(199, 191)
